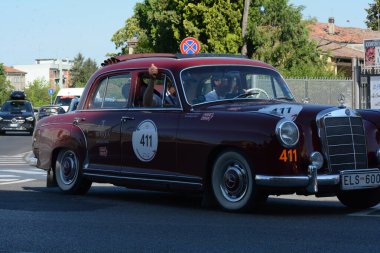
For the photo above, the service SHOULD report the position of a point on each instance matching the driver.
(221, 88)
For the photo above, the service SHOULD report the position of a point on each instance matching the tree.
(162, 24)
(37, 93)
(5, 86)
(82, 70)
(373, 17)
(275, 31)
(278, 35)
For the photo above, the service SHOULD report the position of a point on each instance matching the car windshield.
(16, 107)
(212, 83)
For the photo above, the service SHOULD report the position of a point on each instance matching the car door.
(149, 134)
(101, 121)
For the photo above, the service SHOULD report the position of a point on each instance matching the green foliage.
(5, 86)
(373, 15)
(82, 70)
(37, 93)
(161, 25)
(276, 33)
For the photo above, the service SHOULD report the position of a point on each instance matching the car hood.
(280, 109)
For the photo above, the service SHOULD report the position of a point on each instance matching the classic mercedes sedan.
(222, 126)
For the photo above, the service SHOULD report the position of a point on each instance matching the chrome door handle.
(77, 120)
(126, 118)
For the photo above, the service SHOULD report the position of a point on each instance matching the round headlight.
(29, 118)
(287, 132)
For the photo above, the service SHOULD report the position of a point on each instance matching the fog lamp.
(316, 159)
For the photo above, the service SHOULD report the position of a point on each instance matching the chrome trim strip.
(143, 179)
(91, 170)
(296, 181)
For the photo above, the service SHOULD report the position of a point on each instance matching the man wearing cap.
(220, 88)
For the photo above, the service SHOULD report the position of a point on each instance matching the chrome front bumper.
(310, 182)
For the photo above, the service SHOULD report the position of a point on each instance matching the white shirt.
(212, 96)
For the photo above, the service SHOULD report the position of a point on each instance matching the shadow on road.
(102, 197)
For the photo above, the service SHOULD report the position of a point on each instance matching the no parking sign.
(190, 46)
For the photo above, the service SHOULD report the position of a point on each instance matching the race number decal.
(145, 140)
(290, 112)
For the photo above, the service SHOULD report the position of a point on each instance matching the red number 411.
(288, 155)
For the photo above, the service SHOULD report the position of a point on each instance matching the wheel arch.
(216, 152)
(67, 137)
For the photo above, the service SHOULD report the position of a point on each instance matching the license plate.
(13, 125)
(353, 180)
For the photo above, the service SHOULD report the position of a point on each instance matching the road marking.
(12, 160)
(17, 181)
(28, 172)
(5, 175)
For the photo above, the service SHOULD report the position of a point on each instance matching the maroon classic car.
(232, 132)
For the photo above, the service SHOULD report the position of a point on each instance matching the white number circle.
(145, 140)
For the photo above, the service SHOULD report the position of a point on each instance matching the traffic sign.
(190, 46)
(51, 91)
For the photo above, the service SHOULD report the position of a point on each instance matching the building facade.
(15, 77)
(54, 71)
(343, 45)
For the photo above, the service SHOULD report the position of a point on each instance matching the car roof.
(175, 61)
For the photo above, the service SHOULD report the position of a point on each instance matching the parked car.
(253, 140)
(17, 114)
(48, 110)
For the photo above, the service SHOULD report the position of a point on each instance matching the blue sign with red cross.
(190, 46)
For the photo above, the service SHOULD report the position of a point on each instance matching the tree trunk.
(244, 26)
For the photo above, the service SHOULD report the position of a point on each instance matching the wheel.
(68, 173)
(360, 199)
(253, 92)
(232, 183)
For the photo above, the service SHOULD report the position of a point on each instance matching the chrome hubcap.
(235, 182)
(69, 169)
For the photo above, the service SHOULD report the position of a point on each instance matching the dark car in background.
(48, 110)
(236, 147)
(17, 114)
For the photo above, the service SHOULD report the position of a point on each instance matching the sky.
(45, 29)
(347, 13)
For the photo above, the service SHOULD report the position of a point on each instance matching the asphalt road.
(34, 218)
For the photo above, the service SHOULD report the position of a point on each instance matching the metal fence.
(322, 91)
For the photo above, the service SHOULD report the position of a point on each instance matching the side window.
(164, 92)
(112, 93)
(170, 94)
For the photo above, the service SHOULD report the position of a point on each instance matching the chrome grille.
(345, 143)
